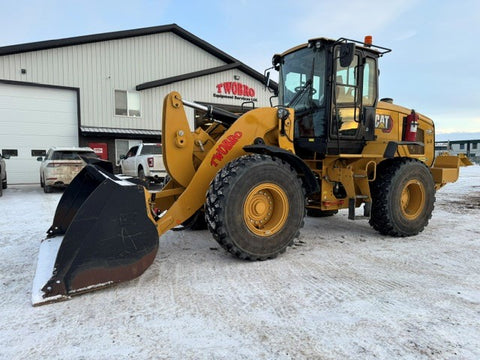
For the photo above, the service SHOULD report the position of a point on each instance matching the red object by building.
(101, 149)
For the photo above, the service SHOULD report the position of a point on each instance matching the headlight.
(282, 113)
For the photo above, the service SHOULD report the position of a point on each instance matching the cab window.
(347, 110)
(369, 91)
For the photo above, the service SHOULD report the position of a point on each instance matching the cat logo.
(383, 122)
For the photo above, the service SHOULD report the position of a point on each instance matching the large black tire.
(255, 207)
(403, 197)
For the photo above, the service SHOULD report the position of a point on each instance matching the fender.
(182, 202)
(307, 175)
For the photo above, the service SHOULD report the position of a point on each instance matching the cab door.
(346, 99)
(353, 103)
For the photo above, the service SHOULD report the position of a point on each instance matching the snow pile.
(342, 291)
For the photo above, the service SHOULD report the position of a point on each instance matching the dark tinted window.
(39, 152)
(152, 149)
(89, 154)
(71, 155)
(11, 152)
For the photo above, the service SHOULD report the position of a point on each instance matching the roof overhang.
(192, 75)
(97, 131)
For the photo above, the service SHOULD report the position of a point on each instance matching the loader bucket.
(101, 235)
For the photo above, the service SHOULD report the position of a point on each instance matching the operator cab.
(333, 87)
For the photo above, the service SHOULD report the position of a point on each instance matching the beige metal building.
(106, 91)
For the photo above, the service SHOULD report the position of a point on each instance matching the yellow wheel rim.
(265, 209)
(412, 199)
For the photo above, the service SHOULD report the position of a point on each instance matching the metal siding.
(201, 89)
(97, 69)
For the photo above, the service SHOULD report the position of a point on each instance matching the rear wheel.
(47, 189)
(255, 207)
(403, 197)
(141, 174)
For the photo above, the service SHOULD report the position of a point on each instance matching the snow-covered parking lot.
(342, 291)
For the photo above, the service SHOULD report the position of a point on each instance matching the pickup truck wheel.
(141, 174)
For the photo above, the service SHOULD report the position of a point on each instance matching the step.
(367, 207)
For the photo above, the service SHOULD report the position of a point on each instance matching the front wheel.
(403, 197)
(255, 207)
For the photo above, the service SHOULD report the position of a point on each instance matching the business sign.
(235, 90)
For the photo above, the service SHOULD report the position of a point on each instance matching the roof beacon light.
(368, 40)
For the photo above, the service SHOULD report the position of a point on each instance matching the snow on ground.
(342, 291)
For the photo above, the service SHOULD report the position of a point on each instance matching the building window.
(474, 146)
(10, 152)
(127, 103)
(462, 146)
(37, 153)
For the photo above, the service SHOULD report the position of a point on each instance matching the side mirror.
(276, 59)
(347, 52)
(267, 79)
(40, 158)
(5, 156)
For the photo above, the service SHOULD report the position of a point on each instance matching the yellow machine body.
(193, 158)
(329, 145)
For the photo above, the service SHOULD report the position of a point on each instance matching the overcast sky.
(434, 66)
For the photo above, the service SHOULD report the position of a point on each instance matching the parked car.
(144, 161)
(61, 165)
(3, 173)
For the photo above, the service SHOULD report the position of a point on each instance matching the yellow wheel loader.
(330, 144)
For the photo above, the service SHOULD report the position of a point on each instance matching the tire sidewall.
(407, 172)
(257, 173)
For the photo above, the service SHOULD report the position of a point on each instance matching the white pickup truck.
(144, 161)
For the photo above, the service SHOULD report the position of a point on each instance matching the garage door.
(32, 119)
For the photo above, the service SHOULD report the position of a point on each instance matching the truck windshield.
(302, 86)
